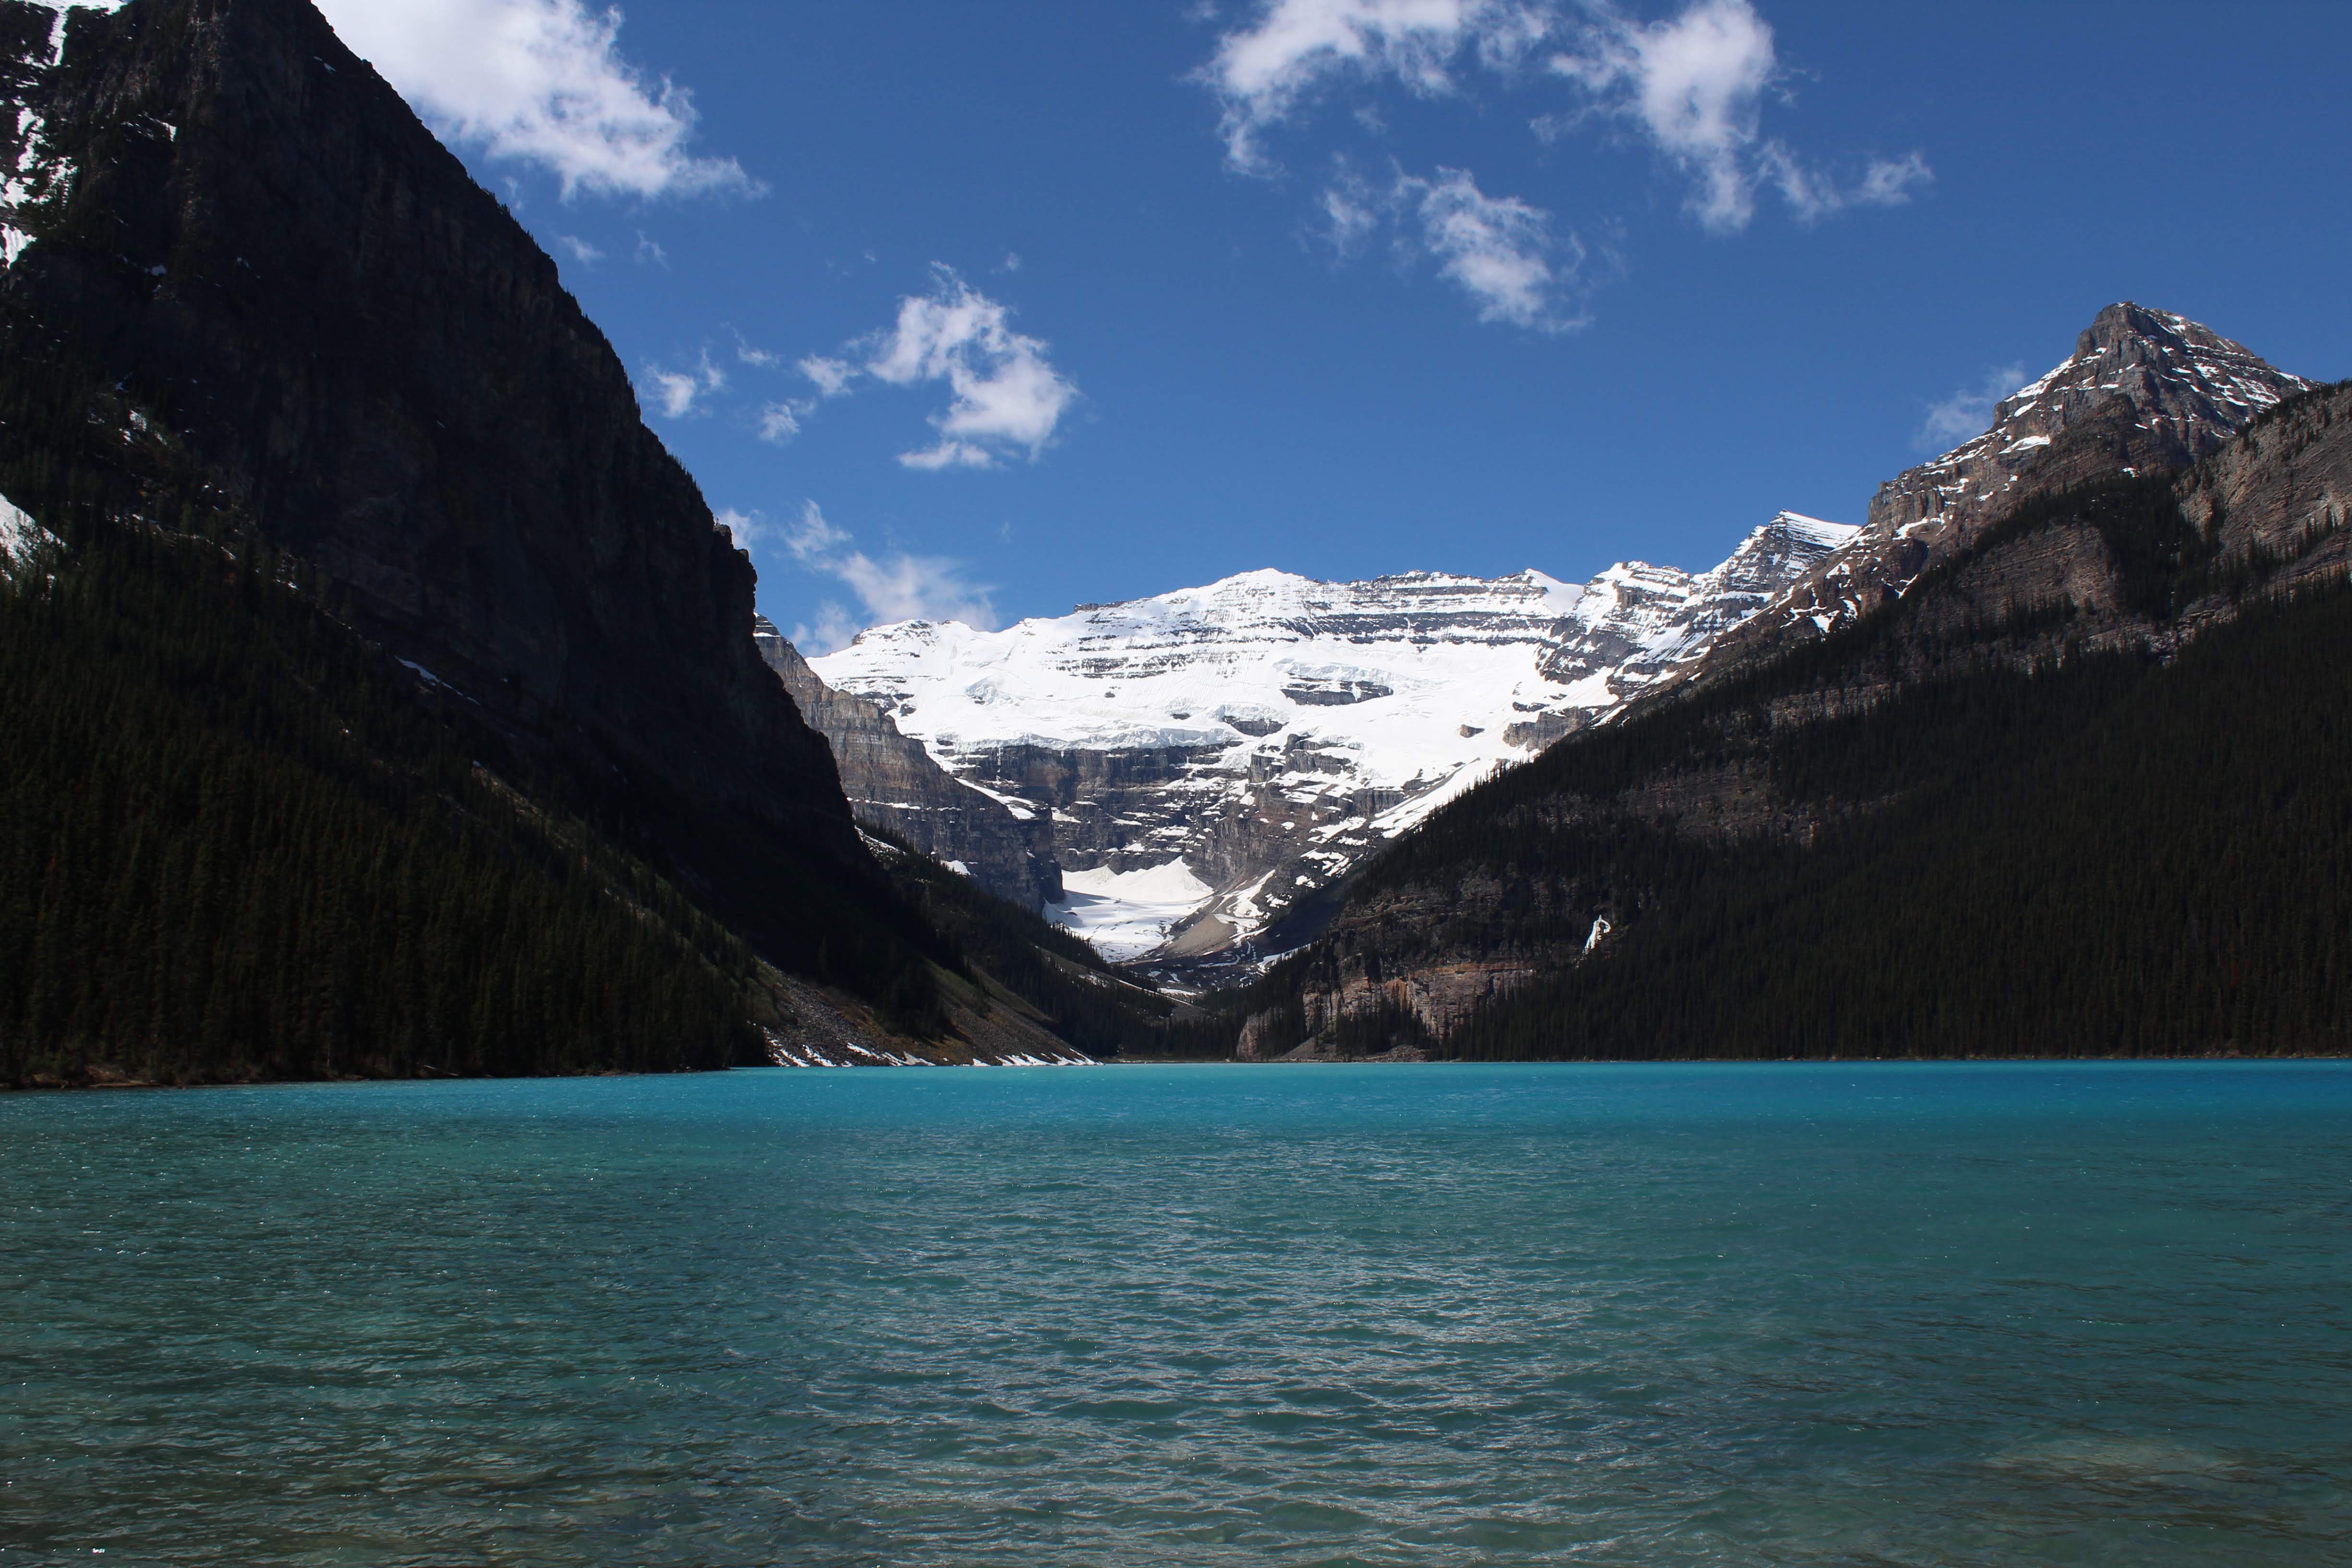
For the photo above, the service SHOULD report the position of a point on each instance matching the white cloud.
(1695, 84)
(1351, 213)
(832, 376)
(834, 631)
(580, 250)
(1499, 250)
(904, 588)
(677, 392)
(542, 81)
(1008, 397)
(1811, 196)
(1263, 72)
(745, 527)
(1968, 413)
(1887, 181)
(780, 422)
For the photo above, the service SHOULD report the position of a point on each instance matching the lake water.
(1133, 1316)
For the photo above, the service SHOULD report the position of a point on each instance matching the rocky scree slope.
(267, 277)
(2012, 811)
(1206, 765)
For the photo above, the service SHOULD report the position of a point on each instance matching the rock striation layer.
(1473, 935)
(894, 786)
(2144, 392)
(1209, 762)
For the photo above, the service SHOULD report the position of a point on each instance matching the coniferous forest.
(2134, 851)
(2141, 860)
(232, 846)
(237, 841)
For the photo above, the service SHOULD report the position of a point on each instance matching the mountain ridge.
(2144, 390)
(1880, 781)
(255, 320)
(1210, 759)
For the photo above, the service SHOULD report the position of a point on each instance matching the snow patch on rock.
(1126, 914)
(1207, 756)
(23, 542)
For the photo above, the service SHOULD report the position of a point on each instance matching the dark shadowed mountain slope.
(2081, 788)
(508, 786)
(228, 217)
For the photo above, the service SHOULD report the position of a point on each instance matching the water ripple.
(1387, 1316)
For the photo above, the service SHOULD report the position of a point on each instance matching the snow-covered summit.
(1255, 737)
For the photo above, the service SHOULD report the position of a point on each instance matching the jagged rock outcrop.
(291, 280)
(2283, 491)
(1210, 762)
(1532, 878)
(2145, 392)
(893, 784)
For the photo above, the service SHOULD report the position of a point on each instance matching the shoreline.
(114, 1082)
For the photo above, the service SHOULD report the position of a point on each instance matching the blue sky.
(1110, 307)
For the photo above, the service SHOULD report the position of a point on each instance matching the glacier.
(1212, 758)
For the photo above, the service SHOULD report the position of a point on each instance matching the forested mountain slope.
(387, 701)
(2086, 786)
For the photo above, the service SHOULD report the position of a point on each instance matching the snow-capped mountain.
(1208, 758)
(2144, 392)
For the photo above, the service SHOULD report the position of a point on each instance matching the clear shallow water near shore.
(1654, 1316)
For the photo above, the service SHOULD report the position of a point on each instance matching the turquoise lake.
(1131, 1316)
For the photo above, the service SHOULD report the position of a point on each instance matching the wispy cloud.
(780, 422)
(1264, 72)
(1968, 413)
(832, 376)
(746, 528)
(1813, 195)
(679, 393)
(1007, 397)
(1499, 250)
(1694, 86)
(542, 81)
(579, 249)
(903, 587)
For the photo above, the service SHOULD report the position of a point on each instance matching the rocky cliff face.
(1210, 760)
(893, 784)
(296, 283)
(2145, 392)
(1529, 880)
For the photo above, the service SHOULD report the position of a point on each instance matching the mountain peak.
(2145, 392)
(2149, 389)
(1250, 740)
